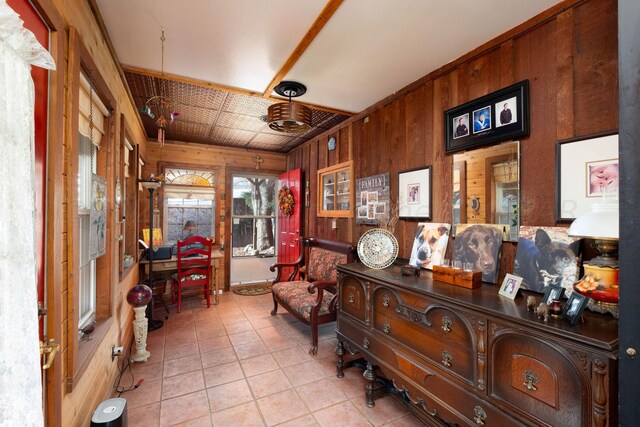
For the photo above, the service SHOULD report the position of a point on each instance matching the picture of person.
(363, 198)
(573, 308)
(460, 128)
(371, 211)
(602, 178)
(553, 294)
(372, 197)
(413, 194)
(508, 112)
(362, 211)
(380, 208)
(511, 284)
(482, 119)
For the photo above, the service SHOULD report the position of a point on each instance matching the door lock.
(50, 350)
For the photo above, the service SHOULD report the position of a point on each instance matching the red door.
(290, 227)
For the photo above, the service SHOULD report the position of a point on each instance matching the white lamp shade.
(602, 222)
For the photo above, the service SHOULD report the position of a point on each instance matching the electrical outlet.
(115, 351)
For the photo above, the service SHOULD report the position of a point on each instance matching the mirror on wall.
(486, 187)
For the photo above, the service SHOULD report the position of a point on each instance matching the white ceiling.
(367, 50)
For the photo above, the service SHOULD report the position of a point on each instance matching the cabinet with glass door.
(335, 191)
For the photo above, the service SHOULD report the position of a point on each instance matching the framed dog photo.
(586, 171)
(552, 292)
(510, 286)
(414, 193)
(498, 116)
(574, 307)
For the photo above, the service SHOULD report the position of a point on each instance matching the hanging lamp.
(160, 107)
(289, 117)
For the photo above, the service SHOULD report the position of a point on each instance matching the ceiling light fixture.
(160, 107)
(289, 117)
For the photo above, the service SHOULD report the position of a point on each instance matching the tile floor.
(235, 365)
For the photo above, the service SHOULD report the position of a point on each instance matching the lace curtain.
(20, 387)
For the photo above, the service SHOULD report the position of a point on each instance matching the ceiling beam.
(318, 25)
(216, 86)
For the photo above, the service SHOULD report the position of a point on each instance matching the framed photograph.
(429, 244)
(510, 286)
(496, 117)
(574, 307)
(586, 171)
(373, 193)
(552, 292)
(414, 193)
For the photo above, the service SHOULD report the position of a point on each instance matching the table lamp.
(190, 225)
(138, 297)
(600, 280)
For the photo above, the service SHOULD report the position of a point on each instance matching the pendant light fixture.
(289, 117)
(160, 107)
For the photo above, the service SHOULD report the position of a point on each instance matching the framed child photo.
(414, 193)
(574, 307)
(496, 117)
(553, 292)
(510, 286)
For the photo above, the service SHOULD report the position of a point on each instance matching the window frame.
(79, 354)
(127, 215)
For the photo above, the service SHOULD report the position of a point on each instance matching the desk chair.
(194, 269)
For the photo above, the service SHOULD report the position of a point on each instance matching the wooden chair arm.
(296, 267)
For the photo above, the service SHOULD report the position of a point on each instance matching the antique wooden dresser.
(471, 357)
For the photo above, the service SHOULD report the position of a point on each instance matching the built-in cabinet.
(335, 191)
(468, 357)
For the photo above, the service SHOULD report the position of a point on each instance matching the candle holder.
(138, 297)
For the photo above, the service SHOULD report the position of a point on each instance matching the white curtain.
(20, 387)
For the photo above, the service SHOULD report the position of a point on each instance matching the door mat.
(252, 290)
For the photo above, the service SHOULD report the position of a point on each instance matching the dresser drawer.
(539, 378)
(352, 297)
(432, 330)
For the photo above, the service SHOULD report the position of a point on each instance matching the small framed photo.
(510, 286)
(460, 126)
(552, 292)
(414, 193)
(574, 307)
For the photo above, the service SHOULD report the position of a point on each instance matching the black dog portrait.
(542, 259)
(479, 244)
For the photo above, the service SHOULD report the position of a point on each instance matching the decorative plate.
(377, 248)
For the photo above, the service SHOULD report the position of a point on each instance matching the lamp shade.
(139, 295)
(157, 236)
(190, 225)
(602, 222)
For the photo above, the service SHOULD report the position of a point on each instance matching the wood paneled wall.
(569, 56)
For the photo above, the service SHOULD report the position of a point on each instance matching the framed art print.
(414, 193)
(574, 307)
(586, 173)
(510, 286)
(495, 117)
(553, 292)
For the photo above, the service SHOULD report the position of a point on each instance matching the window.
(254, 216)
(185, 204)
(91, 129)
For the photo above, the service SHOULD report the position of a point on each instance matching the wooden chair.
(194, 269)
(312, 299)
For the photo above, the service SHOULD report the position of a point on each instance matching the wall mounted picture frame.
(553, 292)
(373, 199)
(510, 286)
(586, 172)
(574, 307)
(496, 117)
(414, 193)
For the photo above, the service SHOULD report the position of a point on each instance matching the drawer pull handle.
(385, 300)
(386, 328)
(365, 343)
(530, 380)
(351, 299)
(480, 415)
(446, 324)
(446, 359)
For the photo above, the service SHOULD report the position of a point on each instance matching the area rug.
(252, 290)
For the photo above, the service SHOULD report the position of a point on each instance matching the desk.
(163, 265)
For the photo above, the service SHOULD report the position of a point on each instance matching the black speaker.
(110, 413)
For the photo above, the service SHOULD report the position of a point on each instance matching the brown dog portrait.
(479, 244)
(429, 244)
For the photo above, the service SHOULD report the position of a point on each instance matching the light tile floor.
(235, 365)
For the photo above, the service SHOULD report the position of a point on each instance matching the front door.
(290, 226)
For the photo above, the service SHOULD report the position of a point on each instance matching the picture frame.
(586, 171)
(574, 307)
(552, 292)
(414, 193)
(496, 117)
(510, 286)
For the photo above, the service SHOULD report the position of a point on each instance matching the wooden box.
(457, 276)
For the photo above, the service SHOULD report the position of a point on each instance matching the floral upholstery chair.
(309, 291)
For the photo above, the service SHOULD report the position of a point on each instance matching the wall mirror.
(486, 187)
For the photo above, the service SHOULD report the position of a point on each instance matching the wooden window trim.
(128, 209)
(79, 354)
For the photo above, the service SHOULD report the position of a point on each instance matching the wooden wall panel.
(569, 56)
